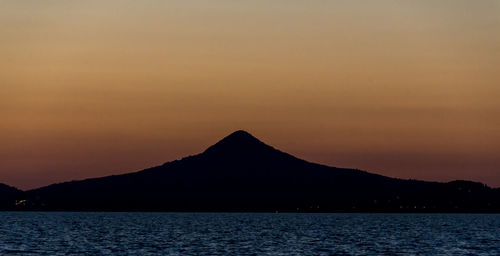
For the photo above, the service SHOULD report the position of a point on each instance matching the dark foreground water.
(45, 233)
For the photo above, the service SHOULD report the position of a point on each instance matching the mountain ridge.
(8, 196)
(242, 173)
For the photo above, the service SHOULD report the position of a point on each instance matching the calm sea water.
(48, 233)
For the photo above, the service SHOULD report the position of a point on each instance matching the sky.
(407, 89)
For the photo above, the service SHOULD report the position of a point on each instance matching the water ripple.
(45, 233)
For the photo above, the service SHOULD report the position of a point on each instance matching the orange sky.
(406, 89)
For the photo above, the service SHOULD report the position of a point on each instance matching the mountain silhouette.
(8, 196)
(241, 173)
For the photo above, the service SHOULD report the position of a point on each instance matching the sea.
(139, 233)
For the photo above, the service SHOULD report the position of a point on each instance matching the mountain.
(241, 173)
(8, 197)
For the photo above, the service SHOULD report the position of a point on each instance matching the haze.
(407, 89)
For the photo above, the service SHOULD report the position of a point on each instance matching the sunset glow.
(407, 89)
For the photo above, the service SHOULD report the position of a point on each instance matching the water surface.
(63, 233)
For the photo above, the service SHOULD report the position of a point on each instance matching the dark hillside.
(241, 173)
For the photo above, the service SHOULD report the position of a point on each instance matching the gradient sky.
(408, 89)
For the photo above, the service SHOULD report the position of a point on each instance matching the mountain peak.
(238, 141)
(241, 134)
